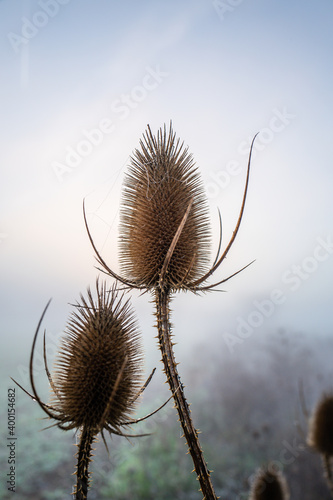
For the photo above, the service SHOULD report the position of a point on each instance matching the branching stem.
(162, 298)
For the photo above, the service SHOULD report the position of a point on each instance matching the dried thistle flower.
(98, 374)
(269, 485)
(164, 244)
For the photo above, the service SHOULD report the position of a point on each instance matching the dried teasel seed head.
(321, 426)
(269, 485)
(98, 371)
(161, 185)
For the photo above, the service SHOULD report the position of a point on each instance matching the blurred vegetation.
(247, 405)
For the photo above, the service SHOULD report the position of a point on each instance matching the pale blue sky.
(221, 72)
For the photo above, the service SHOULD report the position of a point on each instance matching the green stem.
(83, 460)
(162, 299)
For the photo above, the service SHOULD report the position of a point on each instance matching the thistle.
(269, 485)
(164, 248)
(320, 436)
(98, 374)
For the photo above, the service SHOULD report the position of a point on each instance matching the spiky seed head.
(98, 371)
(159, 186)
(321, 426)
(269, 484)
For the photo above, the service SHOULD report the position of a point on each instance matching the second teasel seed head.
(98, 371)
(161, 185)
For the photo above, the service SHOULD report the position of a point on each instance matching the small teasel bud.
(269, 484)
(321, 426)
(98, 371)
(161, 187)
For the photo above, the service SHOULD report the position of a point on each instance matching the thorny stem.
(83, 460)
(162, 298)
(328, 471)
